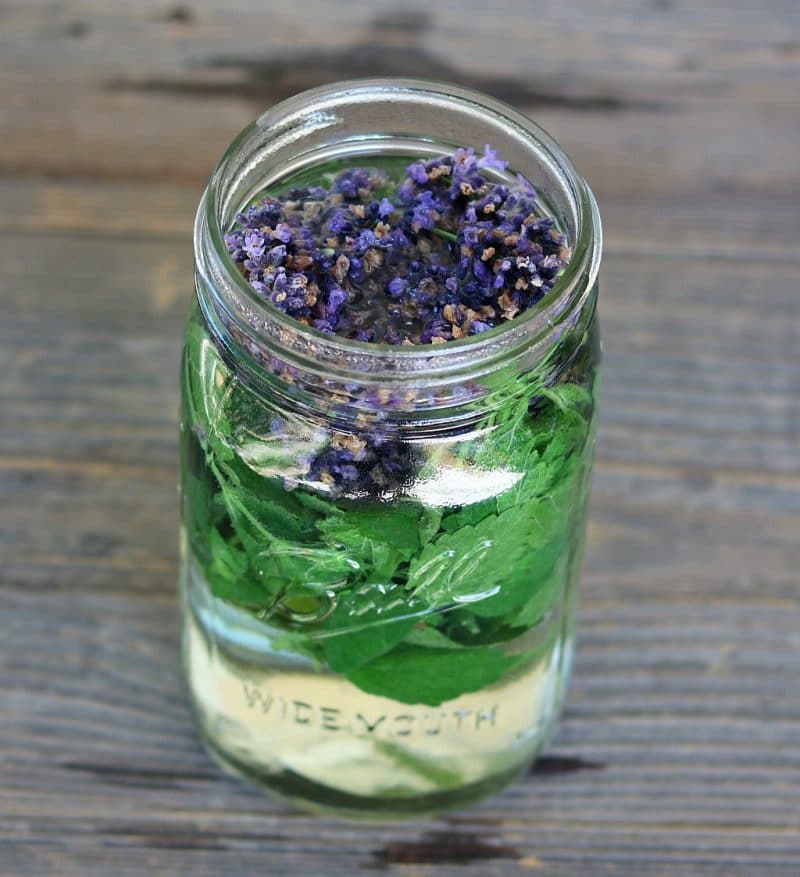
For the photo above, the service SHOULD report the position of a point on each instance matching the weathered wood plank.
(664, 762)
(679, 753)
(651, 98)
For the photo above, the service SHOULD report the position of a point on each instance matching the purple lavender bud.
(471, 235)
(336, 298)
(392, 336)
(280, 303)
(339, 222)
(282, 233)
(259, 287)
(281, 282)
(490, 161)
(349, 182)
(253, 243)
(348, 472)
(398, 240)
(417, 173)
(396, 287)
(480, 270)
(405, 194)
(366, 239)
(423, 212)
(276, 255)
(437, 327)
(464, 161)
(233, 240)
(355, 268)
(254, 266)
(344, 184)
(478, 326)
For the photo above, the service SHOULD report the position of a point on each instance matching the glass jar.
(381, 545)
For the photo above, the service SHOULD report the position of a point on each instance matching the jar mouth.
(287, 125)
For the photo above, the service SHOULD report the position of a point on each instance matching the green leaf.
(566, 396)
(415, 674)
(430, 769)
(380, 538)
(397, 527)
(430, 637)
(468, 516)
(376, 559)
(536, 583)
(275, 517)
(286, 566)
(429, 522)
(368, 621)
(252, 534)
(548, 594)
(314, 505)
(518, 438)
(305, 508)
(493, 567)
(197, 504)
(229, 578)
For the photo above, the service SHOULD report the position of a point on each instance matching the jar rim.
(273, 327)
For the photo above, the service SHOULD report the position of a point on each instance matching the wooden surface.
(679, 751)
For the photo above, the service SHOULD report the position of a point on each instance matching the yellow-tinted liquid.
(311, 735)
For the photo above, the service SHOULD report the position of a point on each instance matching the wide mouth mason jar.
(381, 544)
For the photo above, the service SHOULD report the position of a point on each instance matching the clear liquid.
(310, 735)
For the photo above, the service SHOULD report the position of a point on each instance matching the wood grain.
(679, 752)
(651, 97)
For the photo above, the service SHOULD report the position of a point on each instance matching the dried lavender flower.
(451, 251)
